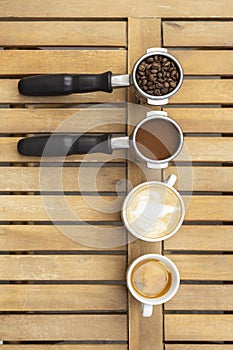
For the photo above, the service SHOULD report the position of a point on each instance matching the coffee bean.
(157, 75)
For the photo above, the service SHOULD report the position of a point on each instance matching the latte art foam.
(153, 211)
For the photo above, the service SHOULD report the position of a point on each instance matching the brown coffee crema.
(157, 139)
(151, 278)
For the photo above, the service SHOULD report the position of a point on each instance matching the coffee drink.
(153, 210)
(151, 278)
(157, 75)
(157, 139)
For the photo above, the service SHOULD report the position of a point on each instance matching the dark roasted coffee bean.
(161, 80)
(150, 59)
(149, 83)
(144, 82)
(166, 84)
(141, 68)
(154, 71)
(141, 73)
(173, 72)
(164, 91)
(164, 59)
(159, 75)
(173, 84)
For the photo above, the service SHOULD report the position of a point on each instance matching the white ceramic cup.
(169, 183)
(148, 303)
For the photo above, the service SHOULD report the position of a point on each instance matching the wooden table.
(56, 293)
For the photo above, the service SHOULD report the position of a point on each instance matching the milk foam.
(153, 211)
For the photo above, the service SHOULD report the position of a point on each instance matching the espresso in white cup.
(153, 211)
(152, 279)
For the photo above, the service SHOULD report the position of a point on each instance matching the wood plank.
(63, 327)
(9, 94)
(62, 267)
(62, 297)
(72, 9)
(209, 208)
(204, 62)
(82, 33)
(61, 61)
(200, 33)
(204, 91)
(50, 237)
(204, 178)
(103, 179)
(195, 347)
(205, 238)
(207, 149)
(60, 346)
(203, 120)
(202, 297)
(142, 33)
(78, 208)
(198, 327)
(204, 267)
(9, 153)
(106, 119)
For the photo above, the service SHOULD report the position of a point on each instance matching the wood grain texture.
(198, 327)
(202, 297)
(204, 267)
(203, 178)
(67, 347)
(62, 298)
(32, 62)
(62, 267)
(62, 238)
(201, 33)
(72, 9)
(209, 208)
(198, 347)
(90, 179)
(60, 208)
(204, 62)
(203, 120)
(42, 120)
(9, 94)
(202, 237)
(84, 33)
(204, 91)
(207, 149)
(9, 153)
(63, 327)
(144, 333)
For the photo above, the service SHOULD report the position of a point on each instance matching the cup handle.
(156, 166)
(147, 310)
(157, 102)
(171, 180)
(153, 49)
(156, 114)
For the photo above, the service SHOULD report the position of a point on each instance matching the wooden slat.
(204, 91)
(62, 297)
(60, 346)
(74, 33)
(203, 178)
(9, 153)
(72, 9)
(195, 347)
(212, 62)
(105, 179)
(9, 94)
(202, 297)
(62, 61)
(198, 327)
(84, 208)
(143, 333)
(207, 149)
(204, 267)
(203, 120)
(16, 120)
(209, 208)
(62, 267)
(63, 327)
(50, 237)
(219, 238)
(200, 33)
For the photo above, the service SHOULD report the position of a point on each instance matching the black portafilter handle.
(64, 145)
(64, 84)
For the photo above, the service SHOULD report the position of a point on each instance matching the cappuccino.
(153, 210)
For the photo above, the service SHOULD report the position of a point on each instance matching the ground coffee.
(157, 139)
(157, 75)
